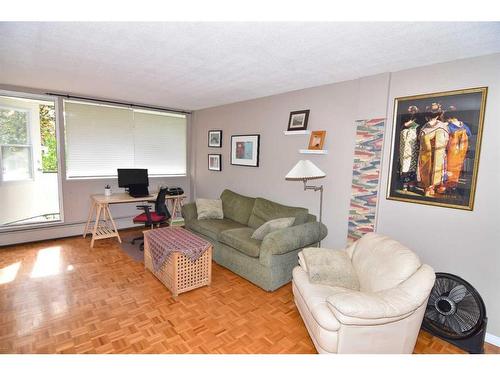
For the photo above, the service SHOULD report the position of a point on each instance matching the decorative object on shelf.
(365, 178)
(215, 162)
(456, 313)
(317, 140)
(436, 143)
(304, 171)
(298, 120)
(215, 138)
(107, 190)
(245, 150)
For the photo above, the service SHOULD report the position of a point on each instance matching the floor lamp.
(305, 170)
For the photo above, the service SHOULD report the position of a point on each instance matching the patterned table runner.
(163, 241)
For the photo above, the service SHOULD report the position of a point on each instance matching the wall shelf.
(297, 132)
(317, 152)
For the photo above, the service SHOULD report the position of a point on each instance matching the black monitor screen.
(127, 177)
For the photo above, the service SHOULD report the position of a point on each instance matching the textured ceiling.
(199, 65)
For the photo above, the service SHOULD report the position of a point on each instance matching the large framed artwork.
(436, 143)
(245, 150)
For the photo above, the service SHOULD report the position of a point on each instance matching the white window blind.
(102, 138)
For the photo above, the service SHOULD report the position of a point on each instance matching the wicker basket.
(179, 273)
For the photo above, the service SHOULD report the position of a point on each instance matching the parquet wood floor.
(68, 298)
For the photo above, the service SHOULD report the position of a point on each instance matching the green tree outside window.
(48, 138)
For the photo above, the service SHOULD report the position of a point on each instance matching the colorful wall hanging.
(365, 177)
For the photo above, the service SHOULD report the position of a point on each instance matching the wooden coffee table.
(179, 273)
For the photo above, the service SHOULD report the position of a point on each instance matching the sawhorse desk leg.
(101, 231)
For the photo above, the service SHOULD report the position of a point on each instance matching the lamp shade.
(305, 170)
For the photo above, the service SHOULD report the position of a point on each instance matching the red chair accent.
(155, 218)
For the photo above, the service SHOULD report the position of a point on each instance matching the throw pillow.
(209, 209)
(271, 226)
(330, 267)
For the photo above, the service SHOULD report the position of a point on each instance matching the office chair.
(159, 216)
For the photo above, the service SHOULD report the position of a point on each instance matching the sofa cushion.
(237, 207)
(240, 239)
(265, 210)
(212, 227)
(272, 226)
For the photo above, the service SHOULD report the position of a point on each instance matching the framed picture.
(245, 150)
(215, 138)
(317, 140)
(298, 120)
(215, 162)
(436, 143)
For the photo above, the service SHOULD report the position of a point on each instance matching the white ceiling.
(199, 65)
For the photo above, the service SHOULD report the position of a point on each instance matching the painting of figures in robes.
(435, 150)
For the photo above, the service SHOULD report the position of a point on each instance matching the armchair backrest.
(382, 263)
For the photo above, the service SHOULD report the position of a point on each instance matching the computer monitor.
(127, 177)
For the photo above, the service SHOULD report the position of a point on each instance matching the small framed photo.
(215, 162)
(298, 120)
(317, 140)
(245, 150)
(215, 138)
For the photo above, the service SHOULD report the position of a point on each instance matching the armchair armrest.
(362, 308)
(189, 212)
(289, 239)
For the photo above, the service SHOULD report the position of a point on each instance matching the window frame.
(28, 145)
(59, 118)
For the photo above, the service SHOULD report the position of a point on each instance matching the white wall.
(333, 108)
(76, 196)
(455, 241)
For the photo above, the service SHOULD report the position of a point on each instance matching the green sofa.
(267, 263)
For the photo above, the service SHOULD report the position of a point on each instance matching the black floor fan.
(456, 313)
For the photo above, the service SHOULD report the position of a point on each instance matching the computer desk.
(103, 218)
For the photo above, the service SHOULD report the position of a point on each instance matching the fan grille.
(455, 309)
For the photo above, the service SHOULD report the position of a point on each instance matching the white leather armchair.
(383, 316)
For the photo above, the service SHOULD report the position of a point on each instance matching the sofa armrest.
(289, 239)
(189, 212)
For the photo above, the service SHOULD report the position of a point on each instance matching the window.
(102, 138)
(15, 144)
(29, 176)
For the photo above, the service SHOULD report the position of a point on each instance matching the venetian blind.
(102, 138)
